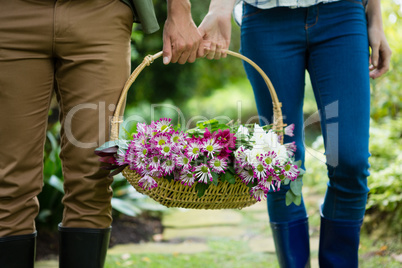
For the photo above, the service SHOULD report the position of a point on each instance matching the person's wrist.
(179, 8)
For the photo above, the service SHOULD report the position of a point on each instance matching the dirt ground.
(125, 230)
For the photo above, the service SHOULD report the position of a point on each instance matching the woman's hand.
(181, 37)
(215, 30)
(380, 51)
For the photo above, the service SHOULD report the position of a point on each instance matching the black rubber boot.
(18, 251)
(83, 247)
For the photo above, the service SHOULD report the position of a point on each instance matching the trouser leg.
(280, 52)
(26, 84)
(341, 85)
(92, 45)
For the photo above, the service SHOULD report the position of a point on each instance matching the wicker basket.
(173, 193)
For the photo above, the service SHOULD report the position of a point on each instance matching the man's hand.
(181, 37)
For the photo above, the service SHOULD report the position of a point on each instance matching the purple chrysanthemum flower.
(241, 156)
(193, 150)
(218, 165)
(155, 162)
(160, 140)
(291, 148)
(258, 193)
(203, 173)
(167, 166)
(183, 161)
(178, 137)
(259, 169)
(138, 164)
(147, 182)
(289, 130)
(290, 171)
(161, 125)
(267, 183)
(246, 175)
(167, 149)
(211, 147)
(187, 178)
(144, 129)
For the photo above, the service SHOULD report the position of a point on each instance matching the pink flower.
(203, 173)
(193, 149)
(258, 193)
(289, 130)
(147, 183)
(290, 171)
(211, 147)
(187, 178)
(218, 165)
(291, 148)
(246, 175)
(227, 140)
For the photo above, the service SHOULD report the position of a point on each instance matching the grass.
(223, 253)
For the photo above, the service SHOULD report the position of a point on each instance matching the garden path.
(188, 232)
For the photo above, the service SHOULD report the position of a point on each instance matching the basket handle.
(116, 120)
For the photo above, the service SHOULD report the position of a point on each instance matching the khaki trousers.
(81, 51)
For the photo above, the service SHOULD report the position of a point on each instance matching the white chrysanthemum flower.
(282, 153)
(254, 154)
(258, 134)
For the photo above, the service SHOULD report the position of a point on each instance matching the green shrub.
(384, 207)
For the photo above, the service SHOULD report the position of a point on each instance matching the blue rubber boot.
(292, 243)
(339, 243)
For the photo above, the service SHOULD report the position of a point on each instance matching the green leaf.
(298, 163)
(57, 183)
(169, 177)
(297, 200)
(123, 144)
(286, 181)
(231, 169)
(201, 188)
(230, 178)
(290, 197)
(215, 178)
(296, 186)
(250, 185)
(125, 207)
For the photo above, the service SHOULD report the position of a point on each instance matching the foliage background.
(220, 88)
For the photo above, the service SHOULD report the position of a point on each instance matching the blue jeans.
(331, 42)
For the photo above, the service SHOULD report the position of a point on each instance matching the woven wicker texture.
(173, 193)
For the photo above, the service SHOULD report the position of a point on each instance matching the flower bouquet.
(203, 157)
(211, 166)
